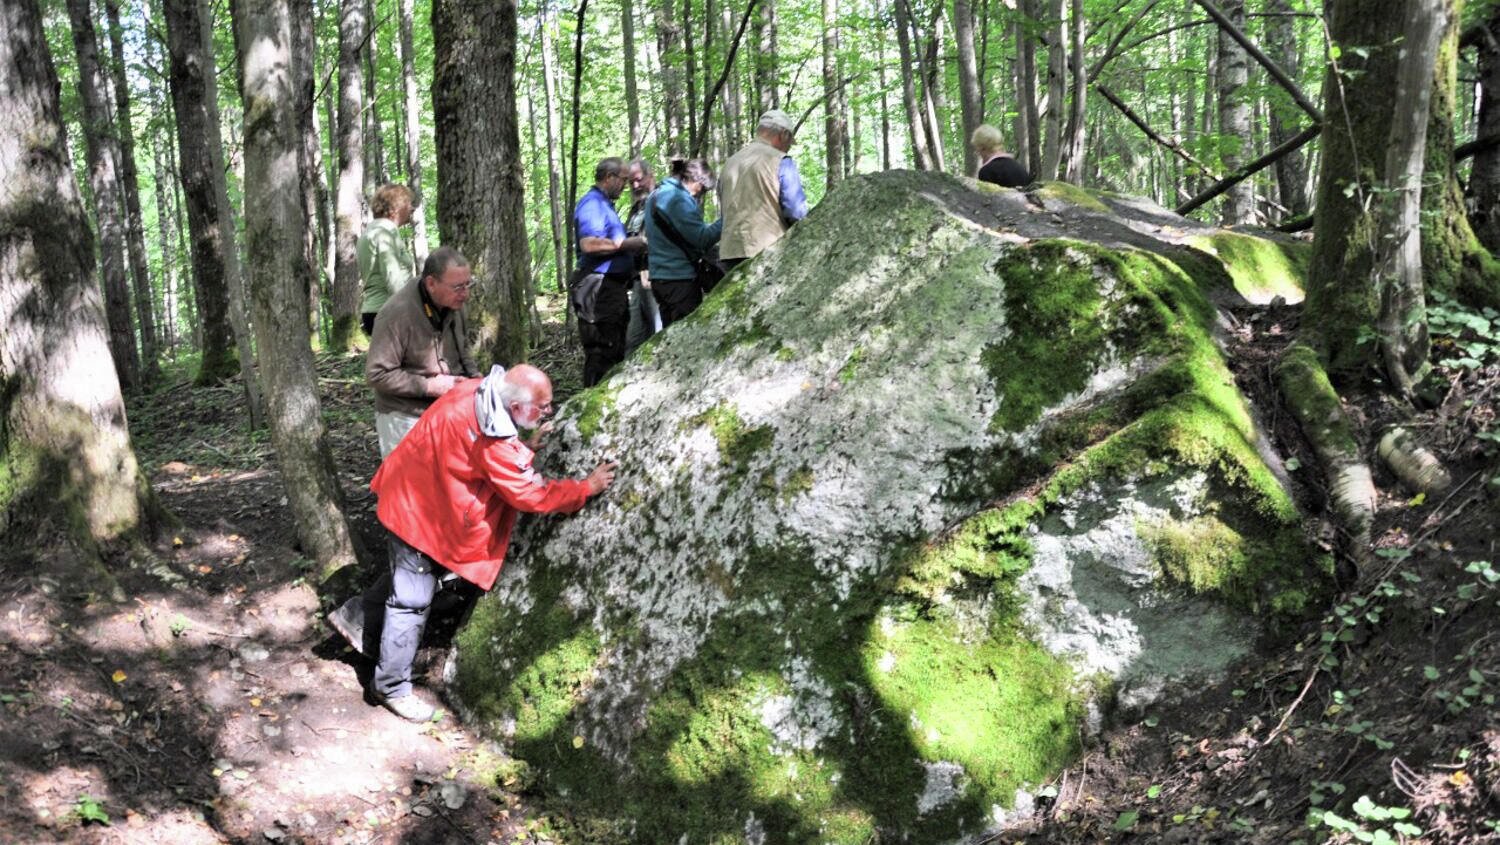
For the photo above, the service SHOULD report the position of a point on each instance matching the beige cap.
(778, 120)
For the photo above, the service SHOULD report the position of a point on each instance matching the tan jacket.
(750, 200)
(406, 351)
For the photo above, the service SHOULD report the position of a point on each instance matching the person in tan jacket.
(420, 346)
(760, 191)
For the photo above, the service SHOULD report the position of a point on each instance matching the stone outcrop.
(913, 501)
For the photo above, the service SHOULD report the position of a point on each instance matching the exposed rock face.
(903, 508)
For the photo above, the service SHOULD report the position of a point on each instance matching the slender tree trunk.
(1057, 91)
(1285, 115)
(414, 113)
(1485, 177)
(349, 208)
(885, 106)
(554, 165)
(1028, 119)
(932, 92)
(168, 272)
(690, 61)
(65, 448)
(304, 49)
(669, 47)
(632, 100)
(1235, 145)
(1077, 138)
(481, 200)
(766, 95)
(278, 281)
(908, 87)
(104, 175)
(833, 110)
(135, 236)
(375, 172)
(970, 98)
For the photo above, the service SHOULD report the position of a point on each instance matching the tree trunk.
(1485, 177)
(970, 98)
(104, 175)
(481, 200)
(1403, 317)
(690, 61)
(349, 208)
(932, 91)
(766, 95)
(1057, 82)
(669, 47)
(1285, 115)
(1453, 260)
(1234, 118)
(833, 110)
(278, 281)
(135, 236)
(632, 101)
(304, 48)
(1028, 120)
(414, 112)
(65, 451)
(923, 158)
(1077, 139)
(375, 172)
(168, 273)
(199, 169)
(554, 165)
(885, 106)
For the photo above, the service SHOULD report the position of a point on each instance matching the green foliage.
(90, 809)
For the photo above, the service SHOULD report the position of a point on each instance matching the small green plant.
(180, 625)
(90, 809)
(1374, 823)
(1464, 338)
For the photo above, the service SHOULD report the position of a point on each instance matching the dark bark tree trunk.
(1028, 119)
(1285, 116)
(375, 171)
(65, 448)
(349, 208)
(632, 98)
(833, 110)
(932, 91)
(481, 206)
(414, 112)
(304, 48)
(135, 234)
(216, 281)
(1453, 260)
(279, 272)
(1485, 177)
(885, 106)
(914, 121)
(674, 107)
(1234, 118)
(970, 98)
(104, 175)
(690, 61)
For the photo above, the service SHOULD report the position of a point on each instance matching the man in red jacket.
(449, 496)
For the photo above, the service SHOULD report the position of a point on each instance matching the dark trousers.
(604, 339)
(367, 322)
(676, 298)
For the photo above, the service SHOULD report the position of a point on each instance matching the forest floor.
(213, 704)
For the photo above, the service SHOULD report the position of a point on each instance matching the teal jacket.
(673, 202)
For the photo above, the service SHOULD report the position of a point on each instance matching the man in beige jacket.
(760, 191)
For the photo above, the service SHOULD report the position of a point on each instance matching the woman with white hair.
(995, 165)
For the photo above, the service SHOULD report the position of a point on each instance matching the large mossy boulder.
(905, 508)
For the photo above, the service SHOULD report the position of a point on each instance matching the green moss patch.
(1260, 268)
(591, 407)
(738, 443)
(1072, 195)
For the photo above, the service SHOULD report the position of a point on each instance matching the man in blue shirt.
(600, 286)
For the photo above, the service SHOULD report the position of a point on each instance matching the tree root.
(1412, 462)
(1305, 387)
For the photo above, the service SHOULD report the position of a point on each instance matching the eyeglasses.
(463, 288)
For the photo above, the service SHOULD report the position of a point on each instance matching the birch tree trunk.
(970, 97)
(1235, 145)
(135, 236)
(1285, 116)
(413, 137)
(1057, 89)
(914, 120)
(481, 206)
(279, 272)
(104, 174)
(349, 204)
(65, 448)
(833, 110)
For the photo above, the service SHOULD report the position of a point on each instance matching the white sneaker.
(409, 707)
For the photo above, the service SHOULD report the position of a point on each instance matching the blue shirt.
(595, 217)
(793, 200)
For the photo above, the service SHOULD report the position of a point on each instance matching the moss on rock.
(1260, 268)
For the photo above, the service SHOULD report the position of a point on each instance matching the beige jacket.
(750, 200)
(406, 351)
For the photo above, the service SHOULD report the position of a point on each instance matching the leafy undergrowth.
(1379, 722)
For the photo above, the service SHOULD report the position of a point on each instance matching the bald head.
(526, 393)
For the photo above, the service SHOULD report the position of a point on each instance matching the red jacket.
(453, 493)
